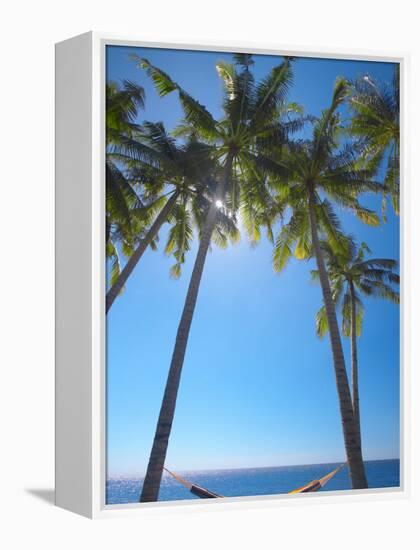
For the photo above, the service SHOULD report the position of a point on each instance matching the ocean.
(253, 481)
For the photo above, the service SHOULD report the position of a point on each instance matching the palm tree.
(352, 275)
(319, 170)
(376, 120)
(171, 175)
(251, 120)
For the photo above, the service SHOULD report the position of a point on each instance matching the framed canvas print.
(229, 275)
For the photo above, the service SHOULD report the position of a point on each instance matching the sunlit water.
(254, 481)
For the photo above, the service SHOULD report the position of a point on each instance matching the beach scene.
(253, 275)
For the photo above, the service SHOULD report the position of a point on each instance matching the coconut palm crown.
(376, 121)
(372, 277)
(254, 120)
(321, 169)
(177, 181)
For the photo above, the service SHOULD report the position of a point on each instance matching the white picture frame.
(80, 286)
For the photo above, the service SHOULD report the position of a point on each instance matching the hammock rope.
(310, 487)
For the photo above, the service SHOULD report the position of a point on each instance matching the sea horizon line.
(204, 470)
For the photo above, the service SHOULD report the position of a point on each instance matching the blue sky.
(257, 387)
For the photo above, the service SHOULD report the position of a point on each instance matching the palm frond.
(288, 235)
(272, 91)
(194, 112)
(321, 322)
(179, 237)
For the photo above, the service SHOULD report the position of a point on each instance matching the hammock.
(316, 484)
(200, 492)
(194, 489)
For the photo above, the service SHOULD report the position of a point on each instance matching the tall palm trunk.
(354, 364)
(351, 443)
(151, 484)
(138, 253)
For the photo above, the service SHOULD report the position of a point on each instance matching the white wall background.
(28, 32)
